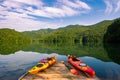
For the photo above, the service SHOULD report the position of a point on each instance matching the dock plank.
(57, 72)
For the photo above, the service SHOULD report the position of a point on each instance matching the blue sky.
(27, 15)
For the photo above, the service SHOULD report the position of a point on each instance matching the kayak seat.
(49, 58)
(82, 64)
(39, 65)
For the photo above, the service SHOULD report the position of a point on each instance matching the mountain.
(75, 33)
(12, 36)
(112, 34)
(12, 41)
(38, 33)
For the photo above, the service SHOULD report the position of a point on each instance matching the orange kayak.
(78, 64)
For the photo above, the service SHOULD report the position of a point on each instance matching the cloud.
(109, 7)
(75, 4)
(22, 3)
(53, 12)
(36, 3)
(11, 4)
(22, 22)
(83, 5)
(117, 6)
(26, 14)
(112, 6)
(60, 12)
(66, 8)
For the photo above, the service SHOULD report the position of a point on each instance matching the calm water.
(101, 59)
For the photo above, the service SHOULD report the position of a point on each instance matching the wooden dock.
(56, 72)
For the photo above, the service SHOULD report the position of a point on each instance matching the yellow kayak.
(43, 64)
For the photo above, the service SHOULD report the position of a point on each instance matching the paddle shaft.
(23, 76)
(70, 68)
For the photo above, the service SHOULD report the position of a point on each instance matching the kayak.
(43, 64)
(80, 65)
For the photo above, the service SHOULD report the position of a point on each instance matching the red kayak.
(78, 64)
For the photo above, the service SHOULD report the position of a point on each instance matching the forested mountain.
(12, 36)
(112, 34)
(12, 41)
(38, 33)
(107, 31)
(96, 32)
(68, 34)
(72, 33)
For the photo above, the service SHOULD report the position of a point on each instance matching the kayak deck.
(57, 72)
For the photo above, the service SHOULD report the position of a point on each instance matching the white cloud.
(83, 5)
(53, 12)
(112, 6)
(75, 4)
(69, 3)
(15, 13)
(60, 12)
(21, 3)
(11, 4)
(22, 22)
(68, 11)
(36, 3)
(3, 13)
(117, 6)
(65, 9)
(41, 13)
(109, 7)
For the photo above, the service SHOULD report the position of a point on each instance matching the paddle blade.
(74, 71)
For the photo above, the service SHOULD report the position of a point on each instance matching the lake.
(105, 60)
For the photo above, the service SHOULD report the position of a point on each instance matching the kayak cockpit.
(75, 59)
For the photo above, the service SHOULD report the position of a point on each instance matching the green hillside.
(12, 36)
(12, 41)
(67, 34)
(77, 33)
(113, 32)
(100, 33)
(96, 32)
(38, 33)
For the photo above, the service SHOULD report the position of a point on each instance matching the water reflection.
(104, 70)
(11, 48)
(93, 50)
(113, 51)
(104, 59)
(18, 63)
(97, 50)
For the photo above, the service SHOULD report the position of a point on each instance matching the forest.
(105, 31)
(12, 36)
(98, 33)
(12, 41)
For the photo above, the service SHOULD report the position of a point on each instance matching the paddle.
(23, 76)
(71, 69)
